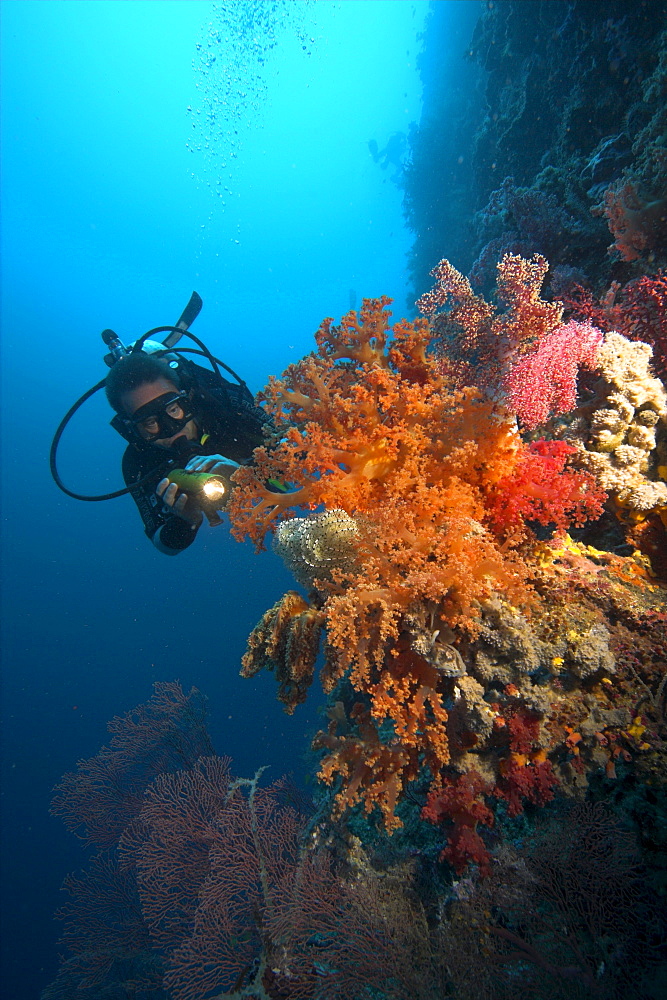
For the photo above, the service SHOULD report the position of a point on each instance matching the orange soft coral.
(528, 317)
(372, 771)
(388, 442)
(286, 640)
(412, 472)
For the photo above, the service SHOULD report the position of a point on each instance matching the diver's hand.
(179, 502)
(213, 464)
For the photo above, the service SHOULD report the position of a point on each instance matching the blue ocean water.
(149, 149)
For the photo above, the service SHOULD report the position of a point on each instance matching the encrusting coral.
(446, 618)
(620, 449)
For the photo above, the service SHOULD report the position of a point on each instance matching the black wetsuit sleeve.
(168, 532)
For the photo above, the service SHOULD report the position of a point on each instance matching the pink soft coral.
(543, 382)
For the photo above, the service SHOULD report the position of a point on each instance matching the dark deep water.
(285, 159)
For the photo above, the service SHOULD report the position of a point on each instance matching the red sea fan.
(100, 798)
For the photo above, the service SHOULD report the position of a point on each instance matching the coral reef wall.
(556, 147)
(473, 505)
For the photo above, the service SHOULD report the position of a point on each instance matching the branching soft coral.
(541, 488)
(481, 342)
(638, 311)
(370, 771)
(635, 224)
(428, 490)
(461, 801)
(523, 353)
(524, 780)
(525, 775)
(543, 382)
(367, 770)
(387, 442)
(286, 639)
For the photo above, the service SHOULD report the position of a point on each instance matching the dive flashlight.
(210, 491)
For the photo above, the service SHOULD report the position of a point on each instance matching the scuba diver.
(187, 430)
(393, 154)
(177, 409)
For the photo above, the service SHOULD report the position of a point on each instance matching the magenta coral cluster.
(543, 382)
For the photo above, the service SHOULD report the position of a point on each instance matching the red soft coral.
(643, 316)
(526, 775)
(541, 488)
(525, 780)
(524, 731)
(460, 800)
(638, 311)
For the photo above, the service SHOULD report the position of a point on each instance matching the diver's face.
(137, 398)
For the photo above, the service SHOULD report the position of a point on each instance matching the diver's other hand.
(213, 464)
(179, 502)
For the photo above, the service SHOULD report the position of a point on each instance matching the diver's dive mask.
(162, 417)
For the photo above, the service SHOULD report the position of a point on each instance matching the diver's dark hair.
(134, 370)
